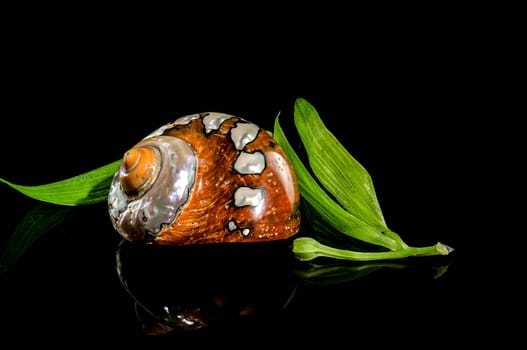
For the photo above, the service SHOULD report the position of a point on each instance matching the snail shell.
(205, 178)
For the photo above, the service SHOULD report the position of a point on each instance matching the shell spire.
(138, 170)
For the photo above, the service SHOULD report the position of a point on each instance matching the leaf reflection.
(320, 274)
(39, 220)
(325, 272)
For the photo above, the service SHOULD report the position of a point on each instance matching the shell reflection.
(205, 288)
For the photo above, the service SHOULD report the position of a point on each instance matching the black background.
(424, 105)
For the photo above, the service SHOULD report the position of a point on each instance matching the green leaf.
(334, 214)
(336, 169)
(352, 209)
(84, 189)
(39, 220)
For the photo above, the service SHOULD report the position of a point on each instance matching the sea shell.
(205, 178)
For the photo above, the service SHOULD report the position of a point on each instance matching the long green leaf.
(84, 189)
(332, 212)
(336, 169)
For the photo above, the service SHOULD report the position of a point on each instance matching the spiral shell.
(205, 178)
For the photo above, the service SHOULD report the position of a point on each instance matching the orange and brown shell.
(205, 178)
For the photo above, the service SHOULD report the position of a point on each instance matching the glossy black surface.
(442, 158)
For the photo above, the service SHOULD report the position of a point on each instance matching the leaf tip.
(444, 249)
